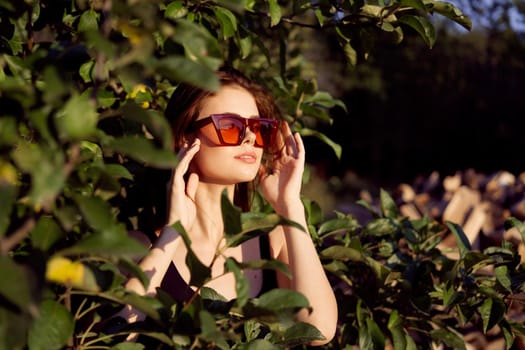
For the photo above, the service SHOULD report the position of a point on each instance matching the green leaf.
(8, 131)
(335, 147)
(254, 224)
(503, 277)
(46, 233)
(300, 333)
(341, 253)
(381, 227)
(273, 264)
(128, 346)
(449, 337)
(423, 26)
(118, 171)
(154, 121)
(388, 206)
(231, 216)
(97, 213)
(461, 239)
(86, 71)
(492, 312)
(148, 305)
(52, 329)
(245, 45)
(448, 10)
(377, 337)
(259, 344)
(242, 286)
(227, 21)
(77, 119)
(200, 273)
(182, 69)
(395, 325)
(209, 330)
(15, 284)
(108, 243)
(416, 4)
(45, 164)
(175, 10)
(275, 12)
(278, 299)
(338, 225)
(143, 150)
(88, 21)
(325, 100)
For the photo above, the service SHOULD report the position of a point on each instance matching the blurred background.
(413, 111)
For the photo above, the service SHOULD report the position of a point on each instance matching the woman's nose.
(249, 136)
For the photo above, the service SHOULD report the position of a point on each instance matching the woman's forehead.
(230, 99)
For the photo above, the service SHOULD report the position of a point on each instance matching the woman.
(221, 139)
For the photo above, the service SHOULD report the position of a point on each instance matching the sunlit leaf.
(341, 253)
(421, 25)
(335, 147)
(275, 12)
(88, 21)
(395, 325)
(448, 9)
(300, 333)
(227, 21)
(338, 225)
(416, 4)
(388, 206)
(461, 239)
(449, 337)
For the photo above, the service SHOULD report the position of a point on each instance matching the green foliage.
(396, 286)
(82, 87)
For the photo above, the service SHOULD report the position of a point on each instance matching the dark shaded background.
(413, 110)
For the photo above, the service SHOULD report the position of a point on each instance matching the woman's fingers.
(290, 141)
(300, 152)
(186, 154)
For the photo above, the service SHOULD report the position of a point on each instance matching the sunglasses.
(231, 128)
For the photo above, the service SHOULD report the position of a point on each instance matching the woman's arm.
(181, 209)
(294, 246)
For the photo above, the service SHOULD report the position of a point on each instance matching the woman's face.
(227, 164)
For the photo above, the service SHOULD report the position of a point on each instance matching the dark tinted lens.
(263, 130)
(229, 129)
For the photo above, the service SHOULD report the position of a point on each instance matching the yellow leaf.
(70, 273)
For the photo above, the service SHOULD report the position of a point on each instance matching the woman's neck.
(209, 223)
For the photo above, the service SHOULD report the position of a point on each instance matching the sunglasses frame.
(214, 119)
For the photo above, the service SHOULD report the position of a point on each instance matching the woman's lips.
(247, 157)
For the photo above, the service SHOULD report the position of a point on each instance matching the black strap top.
(174, 284)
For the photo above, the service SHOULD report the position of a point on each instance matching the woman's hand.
(282, 187)
(181, 204)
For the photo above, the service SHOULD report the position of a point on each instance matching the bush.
(82, 87)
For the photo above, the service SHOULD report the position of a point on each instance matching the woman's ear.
(186, 140)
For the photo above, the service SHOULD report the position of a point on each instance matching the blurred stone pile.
(479, 203)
